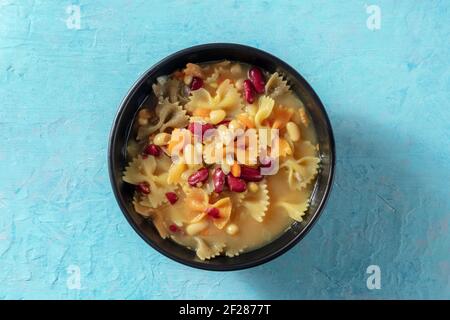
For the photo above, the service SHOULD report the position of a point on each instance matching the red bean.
(143, 187)
(258, 80)
(265, 163)
(153, 150)
(236, 184)
(203, 127)
(213, 212)
(196, 83)
(250, 174)
(172, 197)
(198, 177)
(218, 180)
(224, 122)
(249, 91)
(192, 125)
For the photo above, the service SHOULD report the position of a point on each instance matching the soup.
(224, 161)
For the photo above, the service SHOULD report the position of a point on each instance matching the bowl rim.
(192, 263)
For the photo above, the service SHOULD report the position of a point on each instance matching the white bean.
(161, 139)
(143, 116)
(232, 229)
(226, 168)
(293, 131)
(253, 187)
(239, 84)
(187, 79)
(217, 116)
(236, 69)
(196, 228)
(234, 125)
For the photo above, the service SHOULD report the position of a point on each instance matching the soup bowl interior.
(141, 93)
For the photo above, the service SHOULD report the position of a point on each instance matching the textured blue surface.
(387, 92)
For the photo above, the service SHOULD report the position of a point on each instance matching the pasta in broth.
(186, 164)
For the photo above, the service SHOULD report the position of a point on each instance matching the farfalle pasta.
(225, 160)
(226, 97)
(169, 115)
(256, 202)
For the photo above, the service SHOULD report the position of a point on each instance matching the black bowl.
(141, 91)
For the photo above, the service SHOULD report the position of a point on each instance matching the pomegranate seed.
(153, 150)
(172, 197)
(257, 79)
(198, 177)
(213, 212)
(218, 180)
(251, 174)
(143, 187)
(173, 228)
(196, 83)
(249, 91)
(236, 184)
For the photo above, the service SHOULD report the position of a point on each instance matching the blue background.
(387, 92)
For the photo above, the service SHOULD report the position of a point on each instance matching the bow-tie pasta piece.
(234, 252)
(295, 210)
(193, 70)
(285, 148)
(265, 107)
(301, 172)
(207, 251)
(280, 117)
(197, 202)
(133, 149)
(276, 86)
(160, 225)
(141, 208)
(152, 172)
(224, 206)
(172, 89)
(226, 97)
(220, 74)
(175, 212)
(175, 172)
(133, 173)
(169, 115)
(256, 203)
(235, 197)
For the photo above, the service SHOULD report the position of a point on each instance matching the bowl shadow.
(361, 225)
